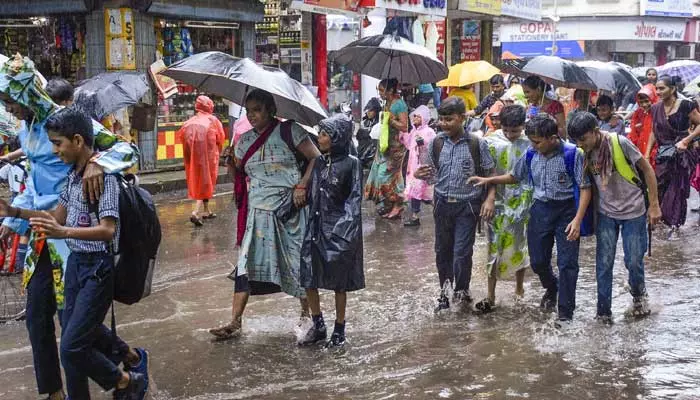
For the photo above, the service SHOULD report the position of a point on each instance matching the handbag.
(665, 153)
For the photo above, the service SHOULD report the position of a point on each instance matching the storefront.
(636, 41)
(179, 33)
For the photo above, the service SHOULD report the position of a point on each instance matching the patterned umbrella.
(687, 70)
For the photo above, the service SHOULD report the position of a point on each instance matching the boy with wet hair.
(455, 156)
(507, 235)
(547, 166)
(607, 121)
(86, 343)
(622, 177)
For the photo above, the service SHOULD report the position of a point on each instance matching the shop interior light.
(213, 25)
(22, 23)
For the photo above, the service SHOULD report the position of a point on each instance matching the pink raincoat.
(202, 138)
(416, 188)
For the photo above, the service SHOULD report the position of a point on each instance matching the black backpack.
(139, 238)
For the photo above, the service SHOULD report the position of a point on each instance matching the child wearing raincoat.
(332, 250)
(641, 122)
(417, 190)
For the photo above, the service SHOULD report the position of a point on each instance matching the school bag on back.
(139, 239)
(570, 150)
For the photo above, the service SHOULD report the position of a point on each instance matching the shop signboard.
(490, 7)
(414, 7)
(569, 49)
(672, 30)
(344, 7)
(523, 9)
(470, 42)
(120, 47)
(666, 8)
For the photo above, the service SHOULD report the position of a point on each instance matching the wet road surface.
(397, 347)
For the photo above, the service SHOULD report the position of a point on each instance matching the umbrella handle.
(649, 234)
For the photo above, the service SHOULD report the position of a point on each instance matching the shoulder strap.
(622, 164)
(528, 160)
(286, 134)
(438, 143)
(475, 151)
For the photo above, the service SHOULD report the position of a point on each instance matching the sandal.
(196, 221)
(211, 215)
(485, 306)
(392, 216)
(226, 332)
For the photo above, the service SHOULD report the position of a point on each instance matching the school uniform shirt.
(456, 166)
(605, 126)
(14, 175)
(619, 199)
(78, 211)
(550, 179)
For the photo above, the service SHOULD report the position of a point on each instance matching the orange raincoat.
(641, 124)
(202, 138)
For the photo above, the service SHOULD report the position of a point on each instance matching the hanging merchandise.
(418, 36)
(431, 38)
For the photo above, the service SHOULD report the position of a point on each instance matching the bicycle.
(12, 298)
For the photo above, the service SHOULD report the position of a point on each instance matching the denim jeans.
(634, 246)
(415, 205)
(41, 308)
(548, 221)
(455, 231)
(88, 347)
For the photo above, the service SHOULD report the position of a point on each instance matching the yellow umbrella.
(469, 72)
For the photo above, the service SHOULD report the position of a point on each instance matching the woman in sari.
(641, 121)
(385, 185)
(675, 159)
(271, 213)
(536, 92)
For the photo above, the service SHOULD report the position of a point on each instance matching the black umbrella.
(232, 78)
(553, 70)
(611, 77)
(106, 93)
(391, 56)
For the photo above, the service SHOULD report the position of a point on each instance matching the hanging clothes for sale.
(418, 35)
(202, 138)
(431, 38)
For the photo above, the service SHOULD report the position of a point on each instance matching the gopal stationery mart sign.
(668, 29)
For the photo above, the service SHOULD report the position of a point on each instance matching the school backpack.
(624, 167)
(286, 134)
(139, 238)
(570, 150)
(474, 150)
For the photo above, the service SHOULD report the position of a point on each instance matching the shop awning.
(31, 8)
(210, 10)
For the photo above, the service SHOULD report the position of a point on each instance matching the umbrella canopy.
(608, 76)
(469, 72)
(687, 70)
(553, 70)
(108, 92)
(693, 87)
(233, 78)
(390, 56)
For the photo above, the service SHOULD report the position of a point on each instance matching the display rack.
(278, 39)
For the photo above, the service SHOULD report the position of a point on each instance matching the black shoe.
(134, 390)
(313, 335)
(412, 222)
(462, 296)
(337, 340)
(640, 306)
(549, 301)
(443, 304)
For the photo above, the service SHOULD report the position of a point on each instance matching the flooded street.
(397, 347)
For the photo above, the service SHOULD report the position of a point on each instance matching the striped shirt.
(550, 179)
(78, 211)
(456, 165)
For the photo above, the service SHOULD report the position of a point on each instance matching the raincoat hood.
(650, 91)
(373, 105)
(424, 113)
(204, 104)
(339, 129)
(20, 81)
